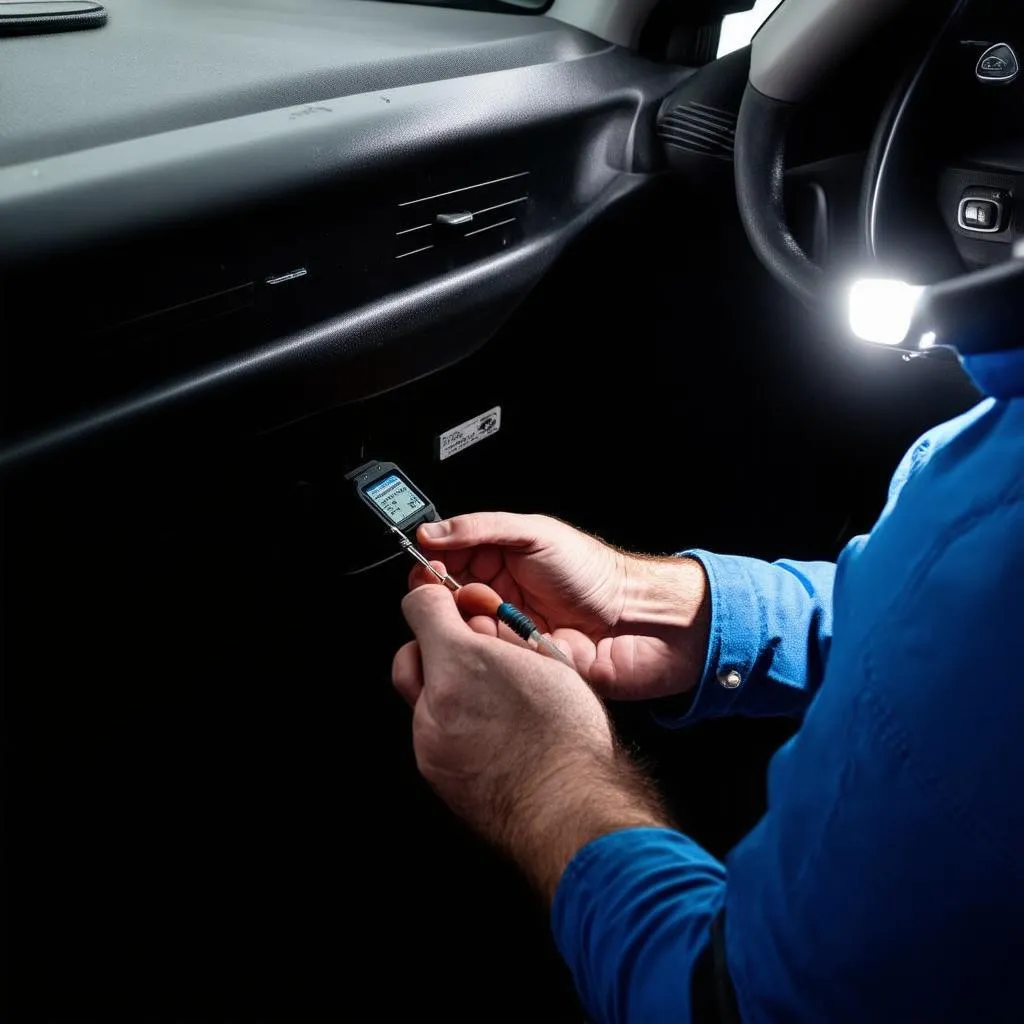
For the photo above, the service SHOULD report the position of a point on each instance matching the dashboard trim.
(478, 298)
(79, 198)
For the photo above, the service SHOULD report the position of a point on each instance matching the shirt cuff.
(735, 642)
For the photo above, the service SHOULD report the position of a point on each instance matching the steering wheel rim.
(880, 165)
(763, 126)
(761, 132)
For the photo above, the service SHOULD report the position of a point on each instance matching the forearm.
(632, 899)
(579, 799)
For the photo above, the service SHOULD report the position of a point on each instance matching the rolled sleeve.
(771, 627)
(631, 916)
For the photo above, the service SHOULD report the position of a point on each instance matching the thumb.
(434, 617)
(501, 528)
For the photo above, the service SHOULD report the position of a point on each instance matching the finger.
(502, 529)
(434, 618)
(418, 575)
(485, 563)
(562, 646)
(635, 667)
(603, 672)
(505, 584)
(478, 599)
(479, 605)
(484, 625)
(458, 563)
(579, 647)
(407, 673)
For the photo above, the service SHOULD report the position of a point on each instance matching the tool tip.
(551, 649)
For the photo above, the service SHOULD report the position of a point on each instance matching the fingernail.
(435, 531)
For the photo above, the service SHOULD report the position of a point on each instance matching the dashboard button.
(998, 65)
(983, 215)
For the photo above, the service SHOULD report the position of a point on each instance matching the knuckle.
(446, 701)
(542, 524)
(470, 528)
(420, 596)
(463, 531)
(462, 680)
(399, 671)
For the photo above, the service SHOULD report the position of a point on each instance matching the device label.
(467, 434)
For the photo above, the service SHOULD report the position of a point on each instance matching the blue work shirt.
(886, 880)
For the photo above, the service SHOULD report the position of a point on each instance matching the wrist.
(670, 598)
(671, 591)
(570, 804)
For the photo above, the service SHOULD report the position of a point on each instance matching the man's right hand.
(636, 627)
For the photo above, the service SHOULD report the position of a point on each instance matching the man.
(886, 881)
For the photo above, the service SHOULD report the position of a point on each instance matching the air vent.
(467, 221)
(700, 129)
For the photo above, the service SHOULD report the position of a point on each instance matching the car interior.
(526, 250)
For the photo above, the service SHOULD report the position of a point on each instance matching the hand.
(636, 628)
(515, 743)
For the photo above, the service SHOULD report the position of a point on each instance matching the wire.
(374, 565)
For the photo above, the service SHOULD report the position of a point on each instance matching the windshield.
(494, 6)
(739, 29)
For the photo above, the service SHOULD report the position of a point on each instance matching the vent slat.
(465, 188)
(499, 207)
(489, 227)
(713, 113)
(680, 114)
(706, 125)
(692, 133)
(684, 143)
(700, 129)
(413, 252)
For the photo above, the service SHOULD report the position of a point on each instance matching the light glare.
(881, 310)
(738, 29)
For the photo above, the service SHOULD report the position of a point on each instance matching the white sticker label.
(465, 435)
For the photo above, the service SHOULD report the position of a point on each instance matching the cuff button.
(730, 679)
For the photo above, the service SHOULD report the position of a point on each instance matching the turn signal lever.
(978, 313)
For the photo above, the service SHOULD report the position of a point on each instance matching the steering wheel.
(795, 51)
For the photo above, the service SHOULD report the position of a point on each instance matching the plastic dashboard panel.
(572, 111)
(160, 65)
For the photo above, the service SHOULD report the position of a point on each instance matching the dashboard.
(275, 207)
(288, 204)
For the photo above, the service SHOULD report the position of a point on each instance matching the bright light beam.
(882, 310)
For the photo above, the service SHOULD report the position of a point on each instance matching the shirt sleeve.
(771, 628)
(631, 916)
(632, 913)
(771, 623)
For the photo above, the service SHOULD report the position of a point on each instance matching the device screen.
(395, 498)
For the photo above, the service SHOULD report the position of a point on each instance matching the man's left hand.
(515, 743)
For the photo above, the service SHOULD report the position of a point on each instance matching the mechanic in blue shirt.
(886, 881)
